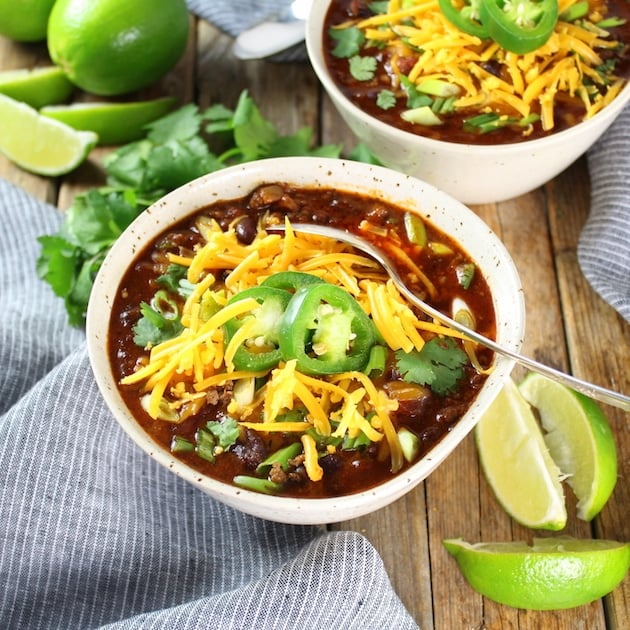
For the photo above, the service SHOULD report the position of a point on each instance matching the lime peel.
(552, 574)
(114, 123)
(579, 439)
(36, 87)
(39, 144)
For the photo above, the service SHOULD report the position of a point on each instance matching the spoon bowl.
(273, 36)
(589, 389)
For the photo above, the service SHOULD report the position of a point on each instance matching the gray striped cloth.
(604, 246)
(93, 533)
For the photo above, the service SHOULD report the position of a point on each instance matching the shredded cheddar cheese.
(180, 374)
(487, 78)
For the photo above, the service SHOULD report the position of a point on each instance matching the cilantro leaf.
(439, 365)
(349, 41)
(386, 99)
(362, 68)
(225, 431)
(175, 280)
(154, 328)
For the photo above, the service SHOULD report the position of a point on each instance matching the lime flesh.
(579, 439)
(517, 464)
(38, 144)
(555, 573)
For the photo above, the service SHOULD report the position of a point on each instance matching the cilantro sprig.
(175, 151)
(440, 365)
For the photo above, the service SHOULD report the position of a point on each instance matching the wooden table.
(568, 326)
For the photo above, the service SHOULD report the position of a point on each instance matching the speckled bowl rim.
(477, 238)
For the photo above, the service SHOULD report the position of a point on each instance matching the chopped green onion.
(206, 443)
(281, 457)
(465, 274)
(409, 443)
(376, 361)
(574, 12)
(436, 87)
(415, 229)
(180, 444)
(611, 22)
(257, 485)
(421, 116)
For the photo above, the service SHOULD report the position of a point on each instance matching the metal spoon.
(602, 394)
(268, 38)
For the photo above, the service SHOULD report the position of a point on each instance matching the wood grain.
(568, 326)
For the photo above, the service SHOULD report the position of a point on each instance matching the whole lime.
(25, 20)
(110, 47)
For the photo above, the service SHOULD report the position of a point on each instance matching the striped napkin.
(94, 533)
(604, 247)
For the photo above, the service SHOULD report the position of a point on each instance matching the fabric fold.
(604, 246)
(93, 532)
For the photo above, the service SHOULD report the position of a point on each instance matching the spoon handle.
(591, 390)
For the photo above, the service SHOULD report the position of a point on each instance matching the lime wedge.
(579, 439)
(36, 87)
(517, 463)
(114, 123)
(554, 573)
(38, 144)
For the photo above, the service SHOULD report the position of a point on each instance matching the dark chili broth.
(346, 472)
(568, 111)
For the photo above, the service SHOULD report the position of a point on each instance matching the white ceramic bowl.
(472, 174)
(449, 215)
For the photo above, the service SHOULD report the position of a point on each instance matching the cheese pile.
(181, 375)
(566, 63)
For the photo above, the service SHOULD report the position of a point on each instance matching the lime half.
(517, 463)
(36, 87)
(554, 573)
(579, 439)
(114, 123)
(38, 144)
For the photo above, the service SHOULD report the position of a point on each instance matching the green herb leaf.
(349, 41)
(439, 365)
(226, 431)
(362, 68)
(386, 99)
(154, 328)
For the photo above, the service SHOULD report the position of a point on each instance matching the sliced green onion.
(421, 116)
(180, 444)
(257, 485)
(465, 274)
(409, 443)
(376, 362)
(574, 12)
(206, 443)
(282, 457)
(415, 229)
